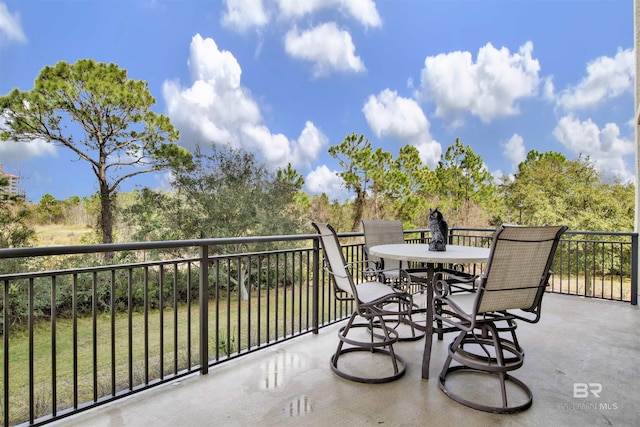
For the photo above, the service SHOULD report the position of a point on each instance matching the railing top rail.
(608, 233)
(164, 244)
(568, 232)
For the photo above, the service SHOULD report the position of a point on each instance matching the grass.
(43, 359)
(607, 287)
(60, 234)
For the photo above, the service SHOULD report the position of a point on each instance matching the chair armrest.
(369, 269)
(371, 273)
(453, 314)
(446, 279)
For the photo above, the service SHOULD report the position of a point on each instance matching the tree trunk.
(359, 208)
(244, 294)
(106, 218)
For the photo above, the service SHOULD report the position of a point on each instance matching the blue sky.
(286, 79)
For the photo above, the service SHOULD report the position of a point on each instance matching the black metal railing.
(79, 331)
(587, 263)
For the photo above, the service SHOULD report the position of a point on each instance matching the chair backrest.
(382, 232)
(517, 270)
(335, 259)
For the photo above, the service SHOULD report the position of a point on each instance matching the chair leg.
(439, 325)
(396, 321)
(498, 365)
(382, 347)
(342, 332)
(510, 328)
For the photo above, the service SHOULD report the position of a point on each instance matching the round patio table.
(455, 254)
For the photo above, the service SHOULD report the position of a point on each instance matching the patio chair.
(383, 232)
(391, 272)
(372, 300)
(511, 288)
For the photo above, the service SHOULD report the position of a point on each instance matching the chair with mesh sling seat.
(393, 272)
(383, 232)
(372, 300)
(510, 290)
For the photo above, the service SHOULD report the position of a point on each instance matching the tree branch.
(117, 182)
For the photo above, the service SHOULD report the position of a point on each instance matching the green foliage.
(290, 176)
(148, 218)
(72, 211)
(405, 188)
(97, 112)
(384, 187)
(124, 293)
(232, 194)
(332, 212)
(464, 182)
(355, 156)
(49, 209)
(550, 189)
(92, 206)
(411, 186)
(227, 193)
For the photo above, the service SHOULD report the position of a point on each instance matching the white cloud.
(604, 146)
(164, 180)
(395, 116)
(548, 92)
(364, 11)
(309, 144)
(402, 118)
(606, 78)
(488, 88)
(514, 149)
(430, 152)
(322, 180)
(329, 48)
(217, 109)
(10, 28)
(244, 14)
(279, 151)
(12, 151)
(498, 175)
(17, 152)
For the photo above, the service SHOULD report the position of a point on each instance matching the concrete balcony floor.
(577, 341)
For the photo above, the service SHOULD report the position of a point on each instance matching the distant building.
(14, 181)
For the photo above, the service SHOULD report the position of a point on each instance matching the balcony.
(227, 331)
(578, 342)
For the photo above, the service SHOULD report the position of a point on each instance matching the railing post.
(316, 286)
(634, 269)
(204, 309)
(5, 353)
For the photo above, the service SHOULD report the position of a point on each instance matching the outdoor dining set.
(482, 309)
